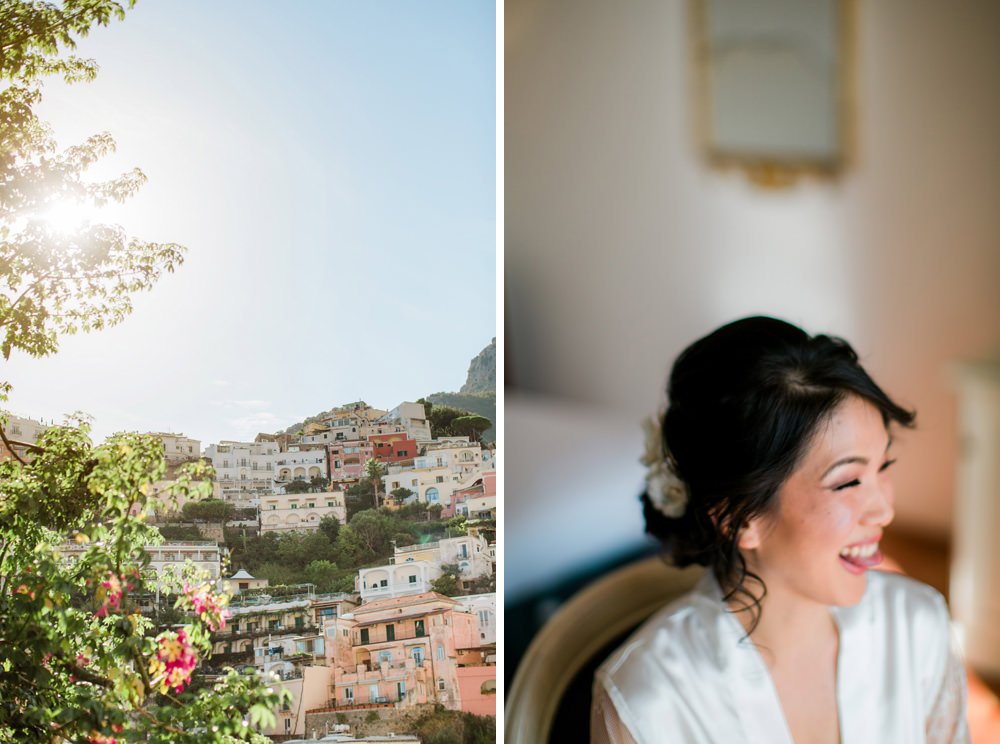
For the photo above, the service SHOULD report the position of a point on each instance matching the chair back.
(577, 639)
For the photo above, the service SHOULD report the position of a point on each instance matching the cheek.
(830, 522)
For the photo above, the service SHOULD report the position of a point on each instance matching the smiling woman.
(771, 467)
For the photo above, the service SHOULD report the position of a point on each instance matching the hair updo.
(743, 405)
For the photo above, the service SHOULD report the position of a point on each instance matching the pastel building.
(300, 511)
(394, 449)
(22, 434)
(178, 448)
(431, 485)
(469, 552)
(301, 462)
(397, 580)
(243, 581)
(347, 459)
(400, 652)
(352, 422)
(479, 501)
(458, 454)
(244, 470)
(484, 608)
(168, 558)
(412, 418)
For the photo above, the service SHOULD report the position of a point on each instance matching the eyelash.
(857, 482)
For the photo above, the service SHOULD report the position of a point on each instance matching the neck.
(789, 627)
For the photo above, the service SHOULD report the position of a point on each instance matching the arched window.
(489, 687)
(432, 496)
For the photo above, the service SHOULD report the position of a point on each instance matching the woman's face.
(824, 535)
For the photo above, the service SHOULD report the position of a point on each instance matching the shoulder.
(901, 600)
(907, 624)
(655, 674)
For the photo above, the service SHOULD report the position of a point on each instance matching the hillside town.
(384, 635)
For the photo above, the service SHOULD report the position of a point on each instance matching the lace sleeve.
(947, 723)
(606, 726)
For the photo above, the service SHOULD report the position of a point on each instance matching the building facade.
(300, 511)
(412, 418)
(399, 652)
(243, 470)
(301, 462)
(22, 433)
(178, 448)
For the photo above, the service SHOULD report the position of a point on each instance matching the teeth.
(860, 551)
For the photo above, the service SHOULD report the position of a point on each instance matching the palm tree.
(374, 470)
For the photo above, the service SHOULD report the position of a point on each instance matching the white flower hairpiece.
(664, 487)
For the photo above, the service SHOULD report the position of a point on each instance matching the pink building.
(347, 460)
(404, 652)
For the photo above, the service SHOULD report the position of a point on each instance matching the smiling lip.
(858, 565)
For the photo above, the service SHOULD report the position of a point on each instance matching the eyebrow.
(852, 460)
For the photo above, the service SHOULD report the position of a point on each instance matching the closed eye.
(856, 482)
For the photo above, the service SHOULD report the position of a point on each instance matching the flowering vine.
(174, 661)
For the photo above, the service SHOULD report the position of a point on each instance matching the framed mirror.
(775, 85)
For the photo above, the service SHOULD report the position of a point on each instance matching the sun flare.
(67, 216)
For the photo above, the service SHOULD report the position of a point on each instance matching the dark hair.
(743, 405)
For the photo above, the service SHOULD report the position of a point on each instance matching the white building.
(458, 454)
(300, 511)
(414, 567)
(484, 608)
(397, 580)
(412, 418)
(244, 470)
(302, 462)
(206, 555)
(177, 447)
(430, 485)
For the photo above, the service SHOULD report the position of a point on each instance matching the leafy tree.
(400, 495)
(482, 584)
(57, 281)
(78, 662)
(441, 419)
(330, 526)
(374, 470)
(434, 510)
(323, 574)
(296, 549)
(471, 426)
(447, 584)
(358, 497)
(457, 526)
(297, 486)
(209, 510)
(180, 532)
(319, 483)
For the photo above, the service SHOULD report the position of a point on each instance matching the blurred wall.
(622, 246)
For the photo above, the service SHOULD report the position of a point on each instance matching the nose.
(879, 509)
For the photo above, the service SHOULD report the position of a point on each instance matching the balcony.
(232, 659)
(374, 641)
(379, 702)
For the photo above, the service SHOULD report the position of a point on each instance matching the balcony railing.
(380, 702)
(231, 659)
(382, 639)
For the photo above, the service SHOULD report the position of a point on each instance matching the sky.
(331, 169)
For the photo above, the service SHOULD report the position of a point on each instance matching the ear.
(750, 536)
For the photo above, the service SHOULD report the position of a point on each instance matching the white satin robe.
(686, 676)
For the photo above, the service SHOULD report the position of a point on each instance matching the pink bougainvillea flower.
(210, 608)
(109, 593)
(174, 661)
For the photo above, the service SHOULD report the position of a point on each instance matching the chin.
(852, 592)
